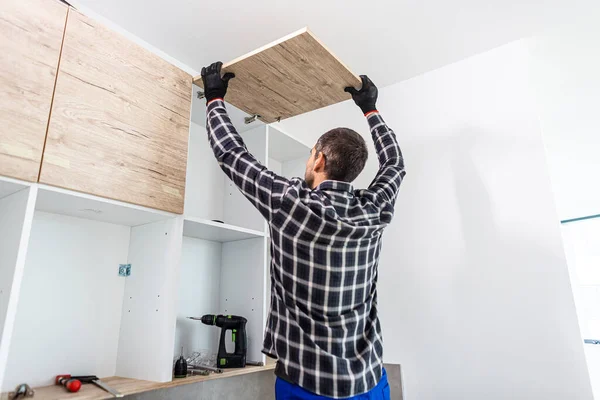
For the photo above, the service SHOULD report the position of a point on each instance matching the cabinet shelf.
(66, 202)
(216, 231)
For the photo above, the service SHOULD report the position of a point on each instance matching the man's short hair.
(345, 154)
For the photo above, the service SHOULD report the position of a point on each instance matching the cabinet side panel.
(204, 182)
(149, 305)
(238, 210)
(16, 214)
(31, 32)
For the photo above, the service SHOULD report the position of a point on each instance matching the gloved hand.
(215, 87)
(366, 97)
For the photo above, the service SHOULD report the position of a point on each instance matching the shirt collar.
(336, 185)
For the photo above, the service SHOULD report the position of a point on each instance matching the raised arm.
(262, 187)
(391, 164)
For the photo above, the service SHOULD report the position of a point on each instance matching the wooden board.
(31, 32)
(291, 76)
(133, 386)
(120, 120)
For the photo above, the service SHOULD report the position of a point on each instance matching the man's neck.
(318, 180)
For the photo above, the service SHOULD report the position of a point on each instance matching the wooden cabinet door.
(31, 33)
(120, 120)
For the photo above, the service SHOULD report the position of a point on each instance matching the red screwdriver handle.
(72, 385)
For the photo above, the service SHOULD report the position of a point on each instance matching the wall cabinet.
(120, 120)
(32, 32)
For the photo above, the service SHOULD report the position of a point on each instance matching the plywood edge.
(224, 226)
(198, 79)
(316, 39)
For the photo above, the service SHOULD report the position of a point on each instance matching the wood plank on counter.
(132, 386)
(291, 76)
(32, 33)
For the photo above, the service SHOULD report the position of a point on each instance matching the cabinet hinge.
(251, 119)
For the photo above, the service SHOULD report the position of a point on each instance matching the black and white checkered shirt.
(323, 326)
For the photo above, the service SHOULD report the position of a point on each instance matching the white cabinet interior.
(74, 312)
(287, 155)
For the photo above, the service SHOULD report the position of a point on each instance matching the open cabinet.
(69, 309)
(65, 308)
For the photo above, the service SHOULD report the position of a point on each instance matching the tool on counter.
(72, 385)
(192, 367)
(196, 372)
(255, 363)
(21, 392)
(237, 325)
(96, 381)
(180, 370)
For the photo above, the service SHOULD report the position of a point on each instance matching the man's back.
(323, 324)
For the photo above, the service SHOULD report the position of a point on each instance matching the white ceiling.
(389, 40)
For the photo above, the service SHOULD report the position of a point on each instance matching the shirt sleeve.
(387, 182)
(262, 187)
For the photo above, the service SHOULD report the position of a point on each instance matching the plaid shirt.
(322, 326)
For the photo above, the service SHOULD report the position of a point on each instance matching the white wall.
(475, 297)
(565, 74)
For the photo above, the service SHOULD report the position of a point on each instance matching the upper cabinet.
(32, 33)
(119, 125)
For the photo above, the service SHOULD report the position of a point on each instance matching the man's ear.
(319, 165)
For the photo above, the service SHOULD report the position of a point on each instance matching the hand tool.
(237, 325)
(196, 372)
(180, 370)
(22, 391)
(255, 363)
(96, 381)
(204, 367)
(72, 385)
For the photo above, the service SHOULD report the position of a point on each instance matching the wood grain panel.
(31, 32)
(291, 76)
(120, 120)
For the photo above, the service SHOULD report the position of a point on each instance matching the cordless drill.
(237, 325)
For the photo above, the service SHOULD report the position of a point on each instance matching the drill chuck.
(209, 319)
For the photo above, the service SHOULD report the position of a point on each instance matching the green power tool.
(237, 326)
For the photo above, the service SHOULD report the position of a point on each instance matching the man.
(323, 327)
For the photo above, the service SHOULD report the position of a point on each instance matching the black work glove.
(366, 97)
(215, 87)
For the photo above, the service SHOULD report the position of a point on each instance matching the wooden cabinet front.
(31, 33)
(120, 120)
